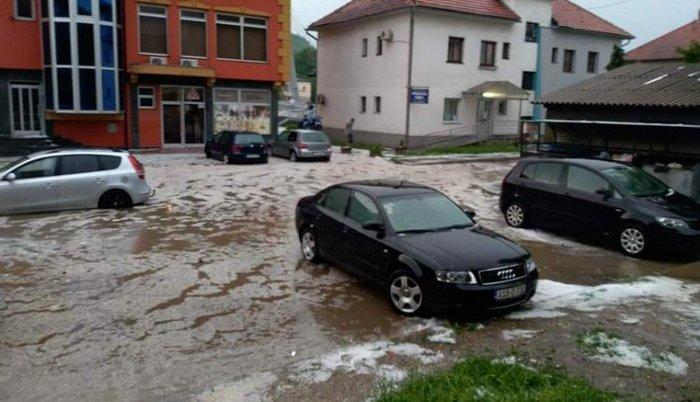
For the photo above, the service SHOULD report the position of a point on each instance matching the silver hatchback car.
(72, 179)
(302, 144)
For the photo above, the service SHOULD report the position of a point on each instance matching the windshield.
(247, 139)
(424, 213)
(635, 182)
(12, 164)
(314, 137)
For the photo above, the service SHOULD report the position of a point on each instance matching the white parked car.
(72, 179)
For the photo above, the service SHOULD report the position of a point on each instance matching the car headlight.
(464, 277)
(672, 223)
(530, 265)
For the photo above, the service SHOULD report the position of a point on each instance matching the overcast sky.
(645, 19)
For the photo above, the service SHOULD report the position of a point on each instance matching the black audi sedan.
(415, 243)
(590, 196)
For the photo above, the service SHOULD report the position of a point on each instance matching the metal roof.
(646, 84)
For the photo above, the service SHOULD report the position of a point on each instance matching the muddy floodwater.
(202, 295)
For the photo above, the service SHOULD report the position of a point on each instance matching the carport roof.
(641, 85)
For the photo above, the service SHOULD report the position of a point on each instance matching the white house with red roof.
(424, 70)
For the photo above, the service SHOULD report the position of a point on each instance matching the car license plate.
(510, 293)
(252, 156)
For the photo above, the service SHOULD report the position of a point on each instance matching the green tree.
(691, 53)
(617, 59)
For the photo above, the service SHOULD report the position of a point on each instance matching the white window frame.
(596, 57)
(141, 96)
(377, 105)
(203, 19)
(73, 20)
(242, 24)
(154, 15)
(22, 132)
(363, 104)
(456, 115)
(20, 18)
(365, 47)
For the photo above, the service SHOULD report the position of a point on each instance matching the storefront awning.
(498, 90)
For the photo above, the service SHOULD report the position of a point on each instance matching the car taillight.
(138, 167)
(303, 146)
(236, 149)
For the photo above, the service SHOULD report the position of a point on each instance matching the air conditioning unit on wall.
(189, 63)
(387, 35)
(158, 61)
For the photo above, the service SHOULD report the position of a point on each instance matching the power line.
(609, 5)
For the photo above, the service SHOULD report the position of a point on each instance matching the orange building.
(142, 73)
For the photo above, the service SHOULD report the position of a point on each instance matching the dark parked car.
(600, 197)
(233, 146)
(418, 245)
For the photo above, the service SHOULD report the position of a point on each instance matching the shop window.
(147, 97)
(153, 30)
(451, 111)
(242, 110)
(24, 9)
(241, 38)
(488, 54)
(193, 32)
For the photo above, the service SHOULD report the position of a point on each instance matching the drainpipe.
(537, 112)
(409, 82)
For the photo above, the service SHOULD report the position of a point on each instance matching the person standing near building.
(349, 135)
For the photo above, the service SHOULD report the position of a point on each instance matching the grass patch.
(480, 379)
(475, 149)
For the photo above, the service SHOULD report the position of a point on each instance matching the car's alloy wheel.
(115, 199)
(632, 241)
(293, 156)
(406, 294)
(309, 246)
(515, 215)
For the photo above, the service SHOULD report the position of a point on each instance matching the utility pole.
(409, 82)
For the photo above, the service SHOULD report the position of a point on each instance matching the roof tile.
(357, 9)
(569, 15)
(664, 47)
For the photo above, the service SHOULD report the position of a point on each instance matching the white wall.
(344, 75)
(447, 80)
(553, 77)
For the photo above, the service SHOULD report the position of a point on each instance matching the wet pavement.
(202, 294)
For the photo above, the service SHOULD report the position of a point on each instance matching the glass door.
(183, 116)
(25, 111)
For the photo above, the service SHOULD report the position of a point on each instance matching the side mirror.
(467, 210)
(11, 177)
(375, 227)
(605, 193)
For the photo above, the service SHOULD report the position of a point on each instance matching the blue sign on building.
(420, 95)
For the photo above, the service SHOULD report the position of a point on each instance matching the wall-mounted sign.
(420, 95)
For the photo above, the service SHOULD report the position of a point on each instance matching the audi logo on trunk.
(506, 274)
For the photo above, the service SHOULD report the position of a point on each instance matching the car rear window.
(547, 173)
(246, 139)
(314, 137)
(109, 162)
